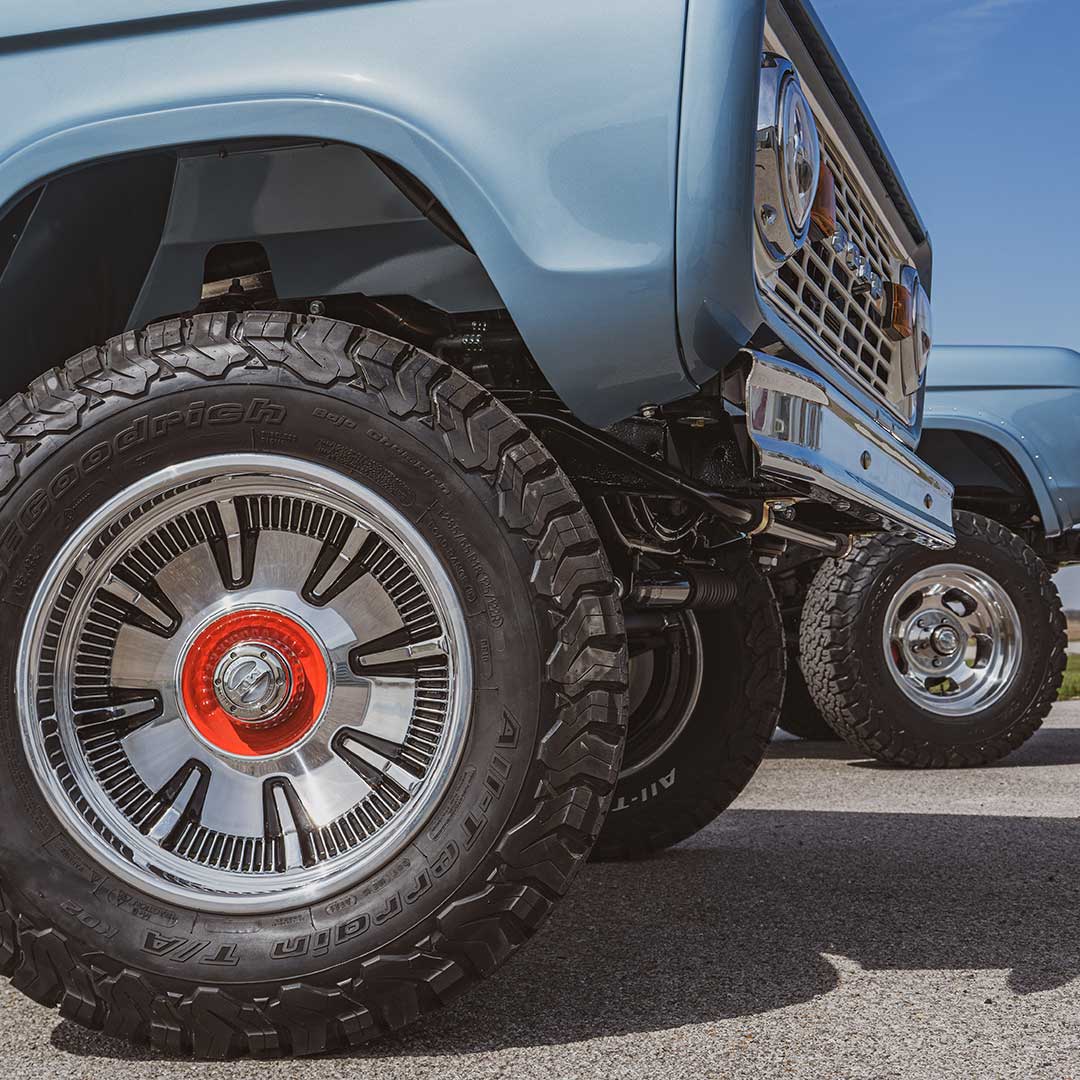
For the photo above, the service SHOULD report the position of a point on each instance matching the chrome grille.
(813, 292)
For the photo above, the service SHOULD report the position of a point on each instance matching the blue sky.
(979, 101)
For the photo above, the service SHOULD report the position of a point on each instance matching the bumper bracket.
(806, 433)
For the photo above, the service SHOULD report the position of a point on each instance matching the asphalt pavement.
(843, 920)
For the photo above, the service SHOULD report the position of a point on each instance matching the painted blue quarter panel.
(1028, 401)
(550, 131)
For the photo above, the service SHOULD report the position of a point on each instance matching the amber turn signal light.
(899, 312)
(823, 212)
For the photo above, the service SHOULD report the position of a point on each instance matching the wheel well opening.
(986, 476)
(12, 225)
(158, 234)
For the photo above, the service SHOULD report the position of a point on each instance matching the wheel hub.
(945, 641)
(254, 682)
(933, 641)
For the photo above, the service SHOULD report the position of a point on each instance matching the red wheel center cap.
(254, 683)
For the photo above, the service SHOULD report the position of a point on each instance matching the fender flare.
(575, 373)
(318, 118)
(997, 430)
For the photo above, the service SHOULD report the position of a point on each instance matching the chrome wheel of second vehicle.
(953, 639)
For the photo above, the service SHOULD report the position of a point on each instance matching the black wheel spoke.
(346, 556)
(180, 804)
(290, 834)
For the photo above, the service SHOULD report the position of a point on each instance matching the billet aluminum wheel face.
(245, 683)
(665, 686)
(953, 640)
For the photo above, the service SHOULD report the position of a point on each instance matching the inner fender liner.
(79, 261)
(118, 244)
(330, 221)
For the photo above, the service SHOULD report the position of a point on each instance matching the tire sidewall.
(408, 464)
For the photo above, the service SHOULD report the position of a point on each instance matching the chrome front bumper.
(806, 433)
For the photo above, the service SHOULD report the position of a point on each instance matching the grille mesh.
(812, 291)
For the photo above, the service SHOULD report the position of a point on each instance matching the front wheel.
(318, 698)
(935, 659)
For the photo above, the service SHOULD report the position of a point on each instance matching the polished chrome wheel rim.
(245, 683)
(665, 686)
(953, 640)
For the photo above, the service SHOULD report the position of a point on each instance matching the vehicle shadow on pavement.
(739, 920)
(736, 921)
(810, 750)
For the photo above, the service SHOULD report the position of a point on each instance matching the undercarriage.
(673, 488)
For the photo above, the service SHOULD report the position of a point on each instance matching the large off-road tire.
(704, 705)
(800, 715)
(935, 659)
(432, 709)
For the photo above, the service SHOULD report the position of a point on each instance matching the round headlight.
(800, 155)
(788, 160)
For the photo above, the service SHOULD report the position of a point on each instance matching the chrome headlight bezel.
(788, 160)
(924, 330)
(916, 348)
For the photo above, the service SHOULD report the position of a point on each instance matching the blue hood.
(1001, 366)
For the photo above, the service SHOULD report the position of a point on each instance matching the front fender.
(958, 415)
(549, 132)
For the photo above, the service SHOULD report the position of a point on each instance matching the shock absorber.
(696, 589)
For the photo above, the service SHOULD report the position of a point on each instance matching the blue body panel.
(718, 303)
(549, 131)
(1027, 400)
(599, 157)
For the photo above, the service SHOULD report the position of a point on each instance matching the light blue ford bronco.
(418, 392)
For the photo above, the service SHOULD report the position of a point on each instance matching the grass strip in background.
(1070, 688)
